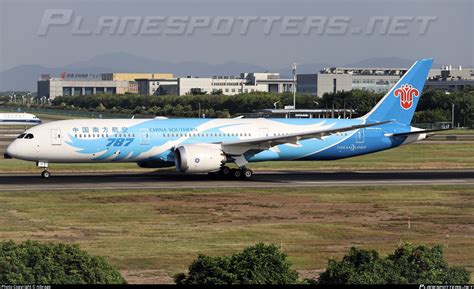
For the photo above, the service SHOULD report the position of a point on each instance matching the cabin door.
(144, 136)
(263, 132)
(56, 136)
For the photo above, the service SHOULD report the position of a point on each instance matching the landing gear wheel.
(247, 174)
(45, 174)
(235, 173)
(225, 171)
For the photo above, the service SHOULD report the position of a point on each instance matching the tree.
(208, 271)
(217, 92)
(431, 116)
(358, 267)
(263, 264)
(36, 263)
(421, 264)
(259, 264)
(407, 265)
(196, 91)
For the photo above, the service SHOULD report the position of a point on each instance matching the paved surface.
(167, 180)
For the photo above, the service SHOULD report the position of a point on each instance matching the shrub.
(421, 264)
(358, 267)
(35, 263)
(259, 264)
(407, 265)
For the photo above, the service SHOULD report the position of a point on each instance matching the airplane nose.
(11, 150)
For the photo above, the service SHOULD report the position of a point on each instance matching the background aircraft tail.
(399, 104)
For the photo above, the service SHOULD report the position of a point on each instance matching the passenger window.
(21, 135)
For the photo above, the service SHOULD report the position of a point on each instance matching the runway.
(261, 179)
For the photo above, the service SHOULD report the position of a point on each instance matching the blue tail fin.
(399, 104)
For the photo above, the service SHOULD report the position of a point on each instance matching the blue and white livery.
(207, 145)
(18, 118)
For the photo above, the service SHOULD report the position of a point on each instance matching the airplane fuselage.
(16, 118)
(206, 145)
(154, 140)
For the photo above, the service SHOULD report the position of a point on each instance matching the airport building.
(157, 86)
(328, 80)
(335, 79)
(87, 83)
(160, 84)
(227, 85)
(450, 79)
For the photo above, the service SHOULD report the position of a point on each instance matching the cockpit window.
(21, 135)
(29, 136)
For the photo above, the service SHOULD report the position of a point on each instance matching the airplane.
(199, 145)
(16, 118)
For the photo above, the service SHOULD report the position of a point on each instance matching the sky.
(343, 31)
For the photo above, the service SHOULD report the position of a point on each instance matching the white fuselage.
(155, 140)
(16, 118)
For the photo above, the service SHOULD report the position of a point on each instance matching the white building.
(336, 79)
(231, 85)
(227, 85)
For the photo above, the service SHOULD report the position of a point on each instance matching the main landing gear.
(240, 173)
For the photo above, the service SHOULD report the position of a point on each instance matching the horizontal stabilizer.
(417, 132)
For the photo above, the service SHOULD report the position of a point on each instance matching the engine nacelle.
(199, 158)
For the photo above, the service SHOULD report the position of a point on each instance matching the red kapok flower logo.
(406, 93)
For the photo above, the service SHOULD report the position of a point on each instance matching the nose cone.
(11, 150)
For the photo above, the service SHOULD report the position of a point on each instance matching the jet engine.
(199, 158)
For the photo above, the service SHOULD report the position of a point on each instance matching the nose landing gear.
(45, 174)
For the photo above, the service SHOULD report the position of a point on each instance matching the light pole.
(452, 115)
(199, 108)
(275, 104)
(294, 85)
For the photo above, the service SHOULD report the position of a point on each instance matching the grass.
(415, 156)
(150, 236)
(457, 132)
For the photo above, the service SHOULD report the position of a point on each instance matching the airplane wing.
(237, 148)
